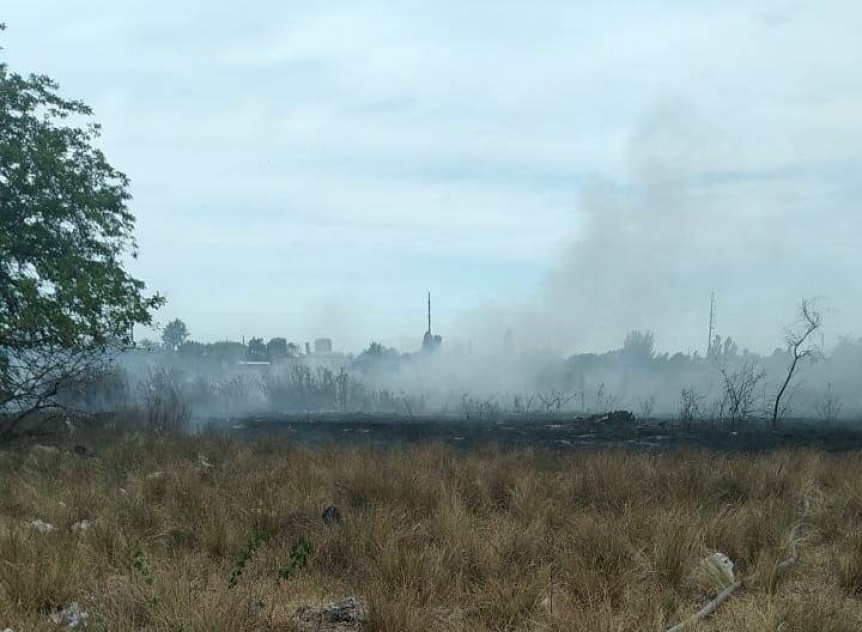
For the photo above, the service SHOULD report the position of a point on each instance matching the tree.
(376, 356)
(174, 334)
(277, 349)
(800, 347)
(730, 348)
(147, 345)
(639, 347)
(226, 352)
(723, 351)
(66, 300)
(257, 351)
(714, 350)
(191, 350)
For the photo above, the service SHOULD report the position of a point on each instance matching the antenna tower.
(429, 312)
(711, 323)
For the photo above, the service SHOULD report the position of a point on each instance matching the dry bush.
(165, 404)
(849, 563)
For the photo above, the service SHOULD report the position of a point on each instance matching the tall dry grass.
(432, 539)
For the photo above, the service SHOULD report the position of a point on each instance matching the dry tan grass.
(432, 539)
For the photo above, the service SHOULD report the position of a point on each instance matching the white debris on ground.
(154, 476)
(44, 450)
(347, 615)
(203, 461)
(71, 616)
(715, 572)
(81, 525)
(41, 526)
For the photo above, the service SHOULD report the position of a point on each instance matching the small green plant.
(139, 561)
(299, 553)
(246, 554)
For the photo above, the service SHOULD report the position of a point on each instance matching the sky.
(566, 170)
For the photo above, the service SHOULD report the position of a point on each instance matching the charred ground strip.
(553, 432)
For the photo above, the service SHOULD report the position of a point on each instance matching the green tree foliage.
(277, 349)
(147, 345)
(65, 232)
(174, 334)
(639, 347)
(723, 351)
(378, 350)
(191, 350)
(226, 352)
(256, 350)
(376, 357)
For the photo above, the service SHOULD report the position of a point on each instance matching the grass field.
(207, 533)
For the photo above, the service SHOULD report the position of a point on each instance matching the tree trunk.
(774, 425)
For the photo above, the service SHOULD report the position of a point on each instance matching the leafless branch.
(802, 344)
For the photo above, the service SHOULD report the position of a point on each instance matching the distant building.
(430, 342)
(323, 355)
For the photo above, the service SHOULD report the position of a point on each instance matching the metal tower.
(711, 324)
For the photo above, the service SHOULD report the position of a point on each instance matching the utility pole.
(711, 324)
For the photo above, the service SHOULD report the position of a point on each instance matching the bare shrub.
(166, 407)
(604, 401)
(830, 406)
(554, 400)
(647, 405)
(524, 404)
(690, 406)
(738, 402)
(479, 409)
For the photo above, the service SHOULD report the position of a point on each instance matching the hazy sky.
(568, 169)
